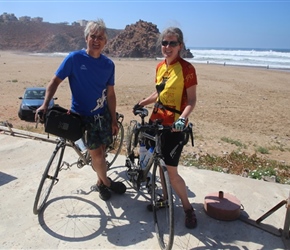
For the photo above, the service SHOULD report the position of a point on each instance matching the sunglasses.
(171, 43)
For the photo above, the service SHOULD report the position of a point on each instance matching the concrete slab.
(75, 217)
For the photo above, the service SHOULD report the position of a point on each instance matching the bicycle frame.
(156, 153)
(159, 187)
(137, 174)
(56, 163)
(84, 156)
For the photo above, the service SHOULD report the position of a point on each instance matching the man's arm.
(49, 93)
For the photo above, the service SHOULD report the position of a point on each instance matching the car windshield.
(34, 94)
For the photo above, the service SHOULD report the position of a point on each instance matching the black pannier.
(64, 123)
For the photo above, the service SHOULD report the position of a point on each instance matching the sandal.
(190, 218)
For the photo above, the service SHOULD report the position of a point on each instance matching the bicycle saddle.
(143, 112)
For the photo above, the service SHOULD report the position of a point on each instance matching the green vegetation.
(239, 163)
(262, 150)
(235, 142)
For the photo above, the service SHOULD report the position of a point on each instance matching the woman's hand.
(179, 125)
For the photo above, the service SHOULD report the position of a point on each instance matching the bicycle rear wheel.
(49, 177)
(113, 150)
(163, 210)
(132, 148)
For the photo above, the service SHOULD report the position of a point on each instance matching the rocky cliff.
(138, 40)
(135, 41)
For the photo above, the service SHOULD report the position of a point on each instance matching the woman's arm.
(191, 101)
(150, 99)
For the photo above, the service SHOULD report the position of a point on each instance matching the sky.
(207, 23)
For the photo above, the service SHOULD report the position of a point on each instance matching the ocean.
(266, 58)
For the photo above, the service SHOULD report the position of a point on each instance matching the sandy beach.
(250, 105)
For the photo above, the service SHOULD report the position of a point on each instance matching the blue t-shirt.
(88, 79)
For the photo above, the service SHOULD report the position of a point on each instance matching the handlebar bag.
(64, 123)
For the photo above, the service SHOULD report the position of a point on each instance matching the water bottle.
(80, 144)
(142, 154)
(147, 157)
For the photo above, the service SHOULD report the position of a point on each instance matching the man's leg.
(104, 183)
(99, 165)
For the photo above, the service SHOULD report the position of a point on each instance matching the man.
(92, 78)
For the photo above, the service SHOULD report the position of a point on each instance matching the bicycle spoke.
(81, 219)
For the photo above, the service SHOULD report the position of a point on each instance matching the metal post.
(287, 220)
(285, 233)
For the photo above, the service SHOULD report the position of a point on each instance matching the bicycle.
(163, 210)
(56, 164)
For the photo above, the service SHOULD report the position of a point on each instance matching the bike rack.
(26, 134)
(284, 233)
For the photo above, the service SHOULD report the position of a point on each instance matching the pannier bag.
(64, 123)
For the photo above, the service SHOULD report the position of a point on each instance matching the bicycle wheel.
(132, 140)
(162, 209)
(49, 177)
(113, 150)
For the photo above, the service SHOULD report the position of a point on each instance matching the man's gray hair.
(94, 26)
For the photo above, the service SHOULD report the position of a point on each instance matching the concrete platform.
(76, 218)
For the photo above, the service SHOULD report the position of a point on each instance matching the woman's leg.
(179, 187)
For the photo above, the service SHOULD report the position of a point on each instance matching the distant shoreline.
(63, 54)
(248, 66)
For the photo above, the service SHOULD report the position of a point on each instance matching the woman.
(174, 98)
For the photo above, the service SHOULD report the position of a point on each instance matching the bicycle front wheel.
(49, 177)
(113, 150)
(162, 201)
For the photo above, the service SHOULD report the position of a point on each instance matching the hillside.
(43, 37)
(136, 40)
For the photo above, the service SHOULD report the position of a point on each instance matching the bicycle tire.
(49, 177)
(114, 149)
(163, 217)
(132, 138)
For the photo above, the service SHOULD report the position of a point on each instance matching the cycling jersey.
(171, 84)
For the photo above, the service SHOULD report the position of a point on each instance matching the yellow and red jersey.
(171, 84)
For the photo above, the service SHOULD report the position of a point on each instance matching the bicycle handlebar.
(157, 126)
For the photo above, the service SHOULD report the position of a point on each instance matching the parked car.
(32, 99)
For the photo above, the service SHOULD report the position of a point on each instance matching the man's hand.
(39, 114)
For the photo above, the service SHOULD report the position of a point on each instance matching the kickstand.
(284, 233)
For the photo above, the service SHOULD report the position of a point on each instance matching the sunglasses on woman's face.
(170, 43)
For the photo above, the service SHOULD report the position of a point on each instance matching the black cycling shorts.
(171, 148)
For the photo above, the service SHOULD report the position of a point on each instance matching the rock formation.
(137, 40)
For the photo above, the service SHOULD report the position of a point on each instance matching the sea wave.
(271, 58)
